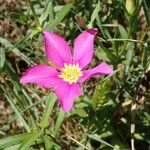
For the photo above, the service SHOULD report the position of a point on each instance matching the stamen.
(70, 73)
(54, 66)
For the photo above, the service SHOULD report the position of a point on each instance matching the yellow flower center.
(70, 73)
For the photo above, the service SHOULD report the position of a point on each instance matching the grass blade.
(47, 12)
(29, 141)
(15, 50)
(48, 144)
(2, 57)
(94, 14)
(146, 5)
(59, 17)
(16, 110)
(49, 107)
(13, 140)
(97, 138)
(59, 121)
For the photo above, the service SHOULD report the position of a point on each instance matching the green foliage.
(97, 138)
(48, 110)
(28, 141)
(59, 17)
(101, 117)
(147, 11)
(16, 51)
(2, 58)
(101, 94)
(9, 141)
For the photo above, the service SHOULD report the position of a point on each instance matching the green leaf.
(146, 6)
(33, 33)
(15, 50)
(129, 56)
(15, 147)
(59, 17)
(29, 141)
(14, 107)
(97, 138)
(18, 113)
(23, 41)
(31, 4)
(59, 121)
(145, 55)
(2, 57)
(101, 55)
(13, 140)
(47, 12)
(34, 104)
(123, 32)
(51, 99)
(94, 14)
(20, 17)
(80, 112)
(48, 143)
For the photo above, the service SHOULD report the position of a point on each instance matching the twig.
(133, 114)
(77, 142)
(130, 40)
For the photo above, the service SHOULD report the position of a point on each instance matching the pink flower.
(66, 71)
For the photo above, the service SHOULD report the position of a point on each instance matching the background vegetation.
(30, 116)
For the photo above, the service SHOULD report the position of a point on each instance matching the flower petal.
(42, 75)
(57, 49)
(83, 47)
(101, 69)
(67, 94)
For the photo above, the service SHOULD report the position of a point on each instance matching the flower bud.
(130, 6)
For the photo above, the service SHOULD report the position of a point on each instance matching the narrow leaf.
(2, 57)
(13, 140)
(15, 50)
(59, 17)
(94, 14)
(29, 141)
(15, 109)
(59, 121)
(47, 12)
(146, 6)
(97, 138)
(49, 107)
(48, 143)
